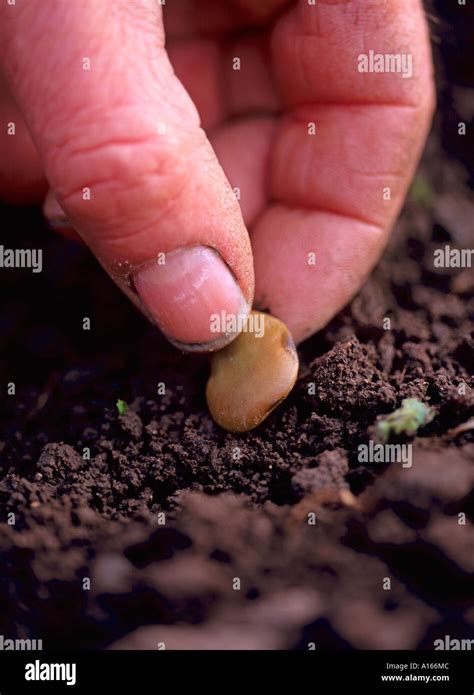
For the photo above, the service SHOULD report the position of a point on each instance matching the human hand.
(321, 153)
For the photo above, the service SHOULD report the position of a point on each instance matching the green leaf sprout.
(122, 407)
(407, 419)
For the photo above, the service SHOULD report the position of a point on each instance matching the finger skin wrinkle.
(121, 190)
(75, 166)
(298, 110)
(358, 162)
(316, 51)
(373, 227)
(71, 150)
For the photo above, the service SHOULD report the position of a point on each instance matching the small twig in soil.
(460, 429)
(44, 396)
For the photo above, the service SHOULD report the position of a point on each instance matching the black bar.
(321, 672)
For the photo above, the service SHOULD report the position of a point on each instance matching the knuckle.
(112, 175)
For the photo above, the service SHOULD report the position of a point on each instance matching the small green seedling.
(407, 419)
(122, 407)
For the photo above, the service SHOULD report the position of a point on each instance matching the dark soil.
(176, 532)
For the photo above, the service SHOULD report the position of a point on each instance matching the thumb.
(126, 159)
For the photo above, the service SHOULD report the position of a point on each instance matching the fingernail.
(57, 219)
(192, 295)
(54, 212)
(59, 223)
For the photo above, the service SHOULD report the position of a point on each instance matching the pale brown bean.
(252, 375)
